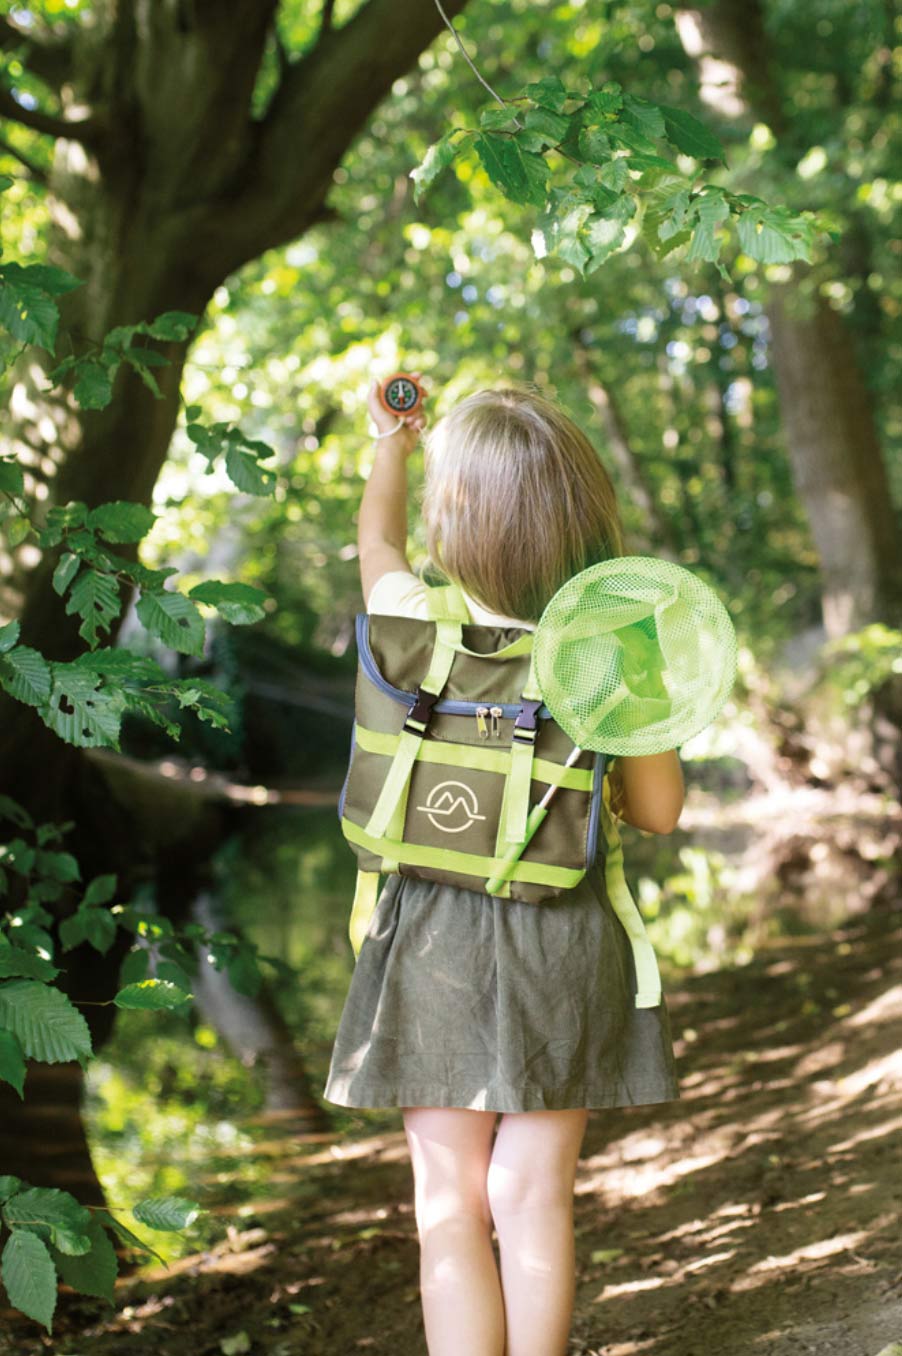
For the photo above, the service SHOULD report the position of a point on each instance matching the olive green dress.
(464, 999)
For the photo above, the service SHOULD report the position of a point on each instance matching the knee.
(451, 1203)
(511, 1189)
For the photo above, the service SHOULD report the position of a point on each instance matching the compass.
(401, 393)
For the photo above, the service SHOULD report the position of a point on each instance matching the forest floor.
(758, 1215)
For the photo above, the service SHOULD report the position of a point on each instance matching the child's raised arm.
(648, 792)
(382, 518)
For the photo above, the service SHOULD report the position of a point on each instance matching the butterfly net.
(634, 656)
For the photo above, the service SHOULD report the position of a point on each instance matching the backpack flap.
(452, 810)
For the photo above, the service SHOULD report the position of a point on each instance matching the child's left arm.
(649, 791)
(382, 518)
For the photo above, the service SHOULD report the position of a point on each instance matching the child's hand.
(384, 419)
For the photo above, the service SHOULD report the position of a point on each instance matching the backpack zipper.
(445, 706)
(497, 713)
(481, 727)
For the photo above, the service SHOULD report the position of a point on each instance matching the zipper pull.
(483, 729)
(497, 713)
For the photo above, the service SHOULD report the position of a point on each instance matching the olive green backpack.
(451, 748)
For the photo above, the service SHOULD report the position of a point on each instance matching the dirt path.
(757, 1216)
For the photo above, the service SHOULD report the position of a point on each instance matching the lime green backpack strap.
(387, 818)
(445, 602)
(648, 979)
(515, 805)
(365, 897)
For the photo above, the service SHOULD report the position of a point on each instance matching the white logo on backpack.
(451, 801)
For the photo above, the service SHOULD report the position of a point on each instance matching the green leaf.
(606, 100)
(15, 962)
(100, 890)
(141, 360)
(174, 619)
(89, 924)
(691, 136)
(94, 1272)
(95, 598)
(62, 518)
(711, 208)
(93, 388)
(548, 92)
(595, 146)
(134, 967)
(521, 175)
(29, 1277)
(167, 969)
(60, 865)
(494, 118)
(25, 675)
(552, 126)
(774, 235)
(614, 174)
(81, 710)
(122, 520)
(151, 995)
(12, 1063)
(243, 973)
(643, 115)
(26, 311)
(66, 569)
(9, 1186)
(625, 135)
(57, 1211)
(47, 1025)
(438, 157)
(9, 634)
(236, 603)
(110, 1222)
(603, 235)
(177, 325)
(166, 1212)
(12, 479)
(244, 470)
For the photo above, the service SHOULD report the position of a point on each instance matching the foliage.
(83, 701)
(39, 1021)
(50, 1233)
(857, 663)
(623, 185)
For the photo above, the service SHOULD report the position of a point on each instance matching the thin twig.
(467, 58)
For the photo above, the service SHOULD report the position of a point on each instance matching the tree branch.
(85, 130)
(334, 87)
(46, 56)
(34, 169)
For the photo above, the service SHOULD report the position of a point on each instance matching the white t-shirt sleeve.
(399, 593)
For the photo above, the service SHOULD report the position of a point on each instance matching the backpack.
(451, 747)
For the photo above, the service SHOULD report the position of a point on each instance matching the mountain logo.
(451, 807)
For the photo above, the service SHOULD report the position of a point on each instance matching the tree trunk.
(834, 446)
(657, 536)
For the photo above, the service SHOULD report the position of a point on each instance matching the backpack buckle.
(420, 713)
(526, 725)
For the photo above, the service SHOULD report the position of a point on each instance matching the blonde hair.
(515, 500)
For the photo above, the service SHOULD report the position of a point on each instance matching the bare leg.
(450, 1149)
(530, 1187)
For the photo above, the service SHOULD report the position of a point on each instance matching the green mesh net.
(634, 656)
